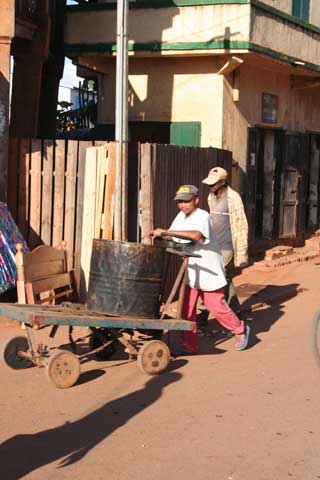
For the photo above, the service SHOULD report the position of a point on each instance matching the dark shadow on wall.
(4, 134)
(70, 442)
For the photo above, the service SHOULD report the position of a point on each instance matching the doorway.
(264, 182)
(313, 209)
(283, 195)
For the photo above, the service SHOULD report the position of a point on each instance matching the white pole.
(121, 122)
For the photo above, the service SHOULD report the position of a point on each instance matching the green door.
(185, 133)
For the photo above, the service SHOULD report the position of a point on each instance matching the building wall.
(167, 89)
(315, 12)
(284, 38)
(283, 5)
(206, 23)
(286, 7)
(298, 110)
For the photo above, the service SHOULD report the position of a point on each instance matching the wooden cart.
(63, 366)
(43, 278)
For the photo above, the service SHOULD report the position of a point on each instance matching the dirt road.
(222, 415)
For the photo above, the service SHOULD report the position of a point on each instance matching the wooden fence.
(46, 190)
(64, 190)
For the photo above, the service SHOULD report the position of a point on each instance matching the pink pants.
(215, 303)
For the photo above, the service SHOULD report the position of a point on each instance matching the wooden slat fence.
(46, 192)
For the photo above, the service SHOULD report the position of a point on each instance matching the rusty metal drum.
(125, 278)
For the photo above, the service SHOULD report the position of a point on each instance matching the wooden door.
(293, 198)
(289, 203)
(254, 206)
(313, 210)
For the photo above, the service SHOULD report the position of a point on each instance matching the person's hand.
(157, 232)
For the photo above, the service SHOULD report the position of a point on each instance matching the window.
(301, 9)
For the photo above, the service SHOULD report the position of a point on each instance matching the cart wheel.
(97, 339)
(11, 356)
(63, 369)
(154, 357)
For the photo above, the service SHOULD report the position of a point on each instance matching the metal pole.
(121, 123)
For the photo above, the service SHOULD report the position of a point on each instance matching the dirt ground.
(221, 415)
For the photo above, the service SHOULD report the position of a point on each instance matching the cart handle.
(181, 237)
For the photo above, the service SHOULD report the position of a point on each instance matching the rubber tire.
(315, 331)
(63, 369)
(153, 357)
(10, 353)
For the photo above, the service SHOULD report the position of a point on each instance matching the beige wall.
(285, 37)
(183, 89)
(7, 18)
(173, 24)
(299, 110)
(189, 89)
(283, 5)
(315, 12)
(286, 6)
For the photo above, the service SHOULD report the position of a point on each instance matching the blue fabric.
(10, 235)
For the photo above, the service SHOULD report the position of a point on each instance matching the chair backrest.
(43, 275)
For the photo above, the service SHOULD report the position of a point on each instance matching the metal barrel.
(125, 278)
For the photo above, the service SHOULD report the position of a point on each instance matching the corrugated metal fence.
(173, 166)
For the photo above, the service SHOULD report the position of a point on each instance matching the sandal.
(242, 343)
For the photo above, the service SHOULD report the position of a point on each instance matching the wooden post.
(23, 200)
(47, 188)
(146, 192)
(71, 177)
(88, 225)
(109, 195)
(35, 194)
(79, 209)
(21, 293)
(58, 193)
(102, 160)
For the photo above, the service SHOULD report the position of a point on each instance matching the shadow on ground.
(262, 308)
(70, 442)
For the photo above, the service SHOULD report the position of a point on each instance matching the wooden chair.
(43, 276)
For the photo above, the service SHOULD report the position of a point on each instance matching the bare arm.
(193, 235)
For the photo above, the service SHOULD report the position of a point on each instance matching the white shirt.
(207, 272)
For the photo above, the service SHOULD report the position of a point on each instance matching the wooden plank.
(44, 253)
(55, 315)
(146, 192)
(110, 192)
(79, 209)
(20, 284)
(50, 296)
(70, 199)
(51, 283)
(23, 200)
(35, 194)
(42, 270)
(58, 201)
(47, 191)
(43, 262)
(88, 219)
(13, 183)
(102, 162)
